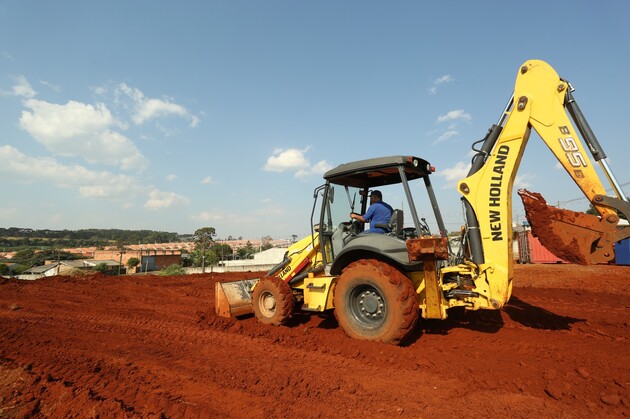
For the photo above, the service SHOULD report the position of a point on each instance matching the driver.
(379, 212)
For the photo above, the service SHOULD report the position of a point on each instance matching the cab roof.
(378, 171)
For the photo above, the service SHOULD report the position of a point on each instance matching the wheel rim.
(267, 304)
(367, 305)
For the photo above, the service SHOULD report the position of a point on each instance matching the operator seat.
(341, 237)
(395, 225)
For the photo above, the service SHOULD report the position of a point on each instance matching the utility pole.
(120, 261)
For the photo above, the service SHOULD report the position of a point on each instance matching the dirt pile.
(149, 346)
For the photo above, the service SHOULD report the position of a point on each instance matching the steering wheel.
(355, 227)
(351, 229)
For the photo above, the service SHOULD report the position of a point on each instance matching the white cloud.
(318, 169)
(444, 79)
(50, 121)
(454, 174)
(523, 181)
(16, 166)
(160, 199)
(446, 135)
(207, 180)
(209, 216)
(21, 88)
(152, 108)
(295, 160)
(145, 108)
(321, 167)
(100, 90)
(50, 85)
(440, 80)
(171, 177)
(224, 217)
(456, 115)
(79, 129)
(283, 160)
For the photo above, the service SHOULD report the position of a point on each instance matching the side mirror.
(331, 194)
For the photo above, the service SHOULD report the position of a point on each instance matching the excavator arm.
(542, 101)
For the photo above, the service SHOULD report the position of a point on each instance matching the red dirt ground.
(150, 346)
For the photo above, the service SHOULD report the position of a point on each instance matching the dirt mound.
(151, 346)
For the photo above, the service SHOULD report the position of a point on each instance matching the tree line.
(15, 238)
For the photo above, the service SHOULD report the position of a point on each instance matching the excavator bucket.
(572, 236)
(234, 298)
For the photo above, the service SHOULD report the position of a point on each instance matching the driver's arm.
(355, 216)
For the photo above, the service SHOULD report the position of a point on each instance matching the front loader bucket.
(234, 298)
(572, 236)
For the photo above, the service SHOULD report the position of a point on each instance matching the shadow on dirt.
(491, 321)
(537, 317)
(485, 321)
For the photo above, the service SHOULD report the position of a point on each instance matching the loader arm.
(540, 102)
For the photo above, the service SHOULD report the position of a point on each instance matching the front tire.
(374, 301)
(272, 301)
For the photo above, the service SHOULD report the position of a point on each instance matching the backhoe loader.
(379, 285)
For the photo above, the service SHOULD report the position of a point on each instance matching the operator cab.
(346, 191)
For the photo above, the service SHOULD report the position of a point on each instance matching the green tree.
(173, 269)
(222, 250)
(24, 257)
(19, 269)
(203, 238)
(133, 262)
(246, 251)
(101, 267)
(204, 259)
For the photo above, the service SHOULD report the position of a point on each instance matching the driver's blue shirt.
(378, 213)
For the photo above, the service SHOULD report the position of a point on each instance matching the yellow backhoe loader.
(380, 284)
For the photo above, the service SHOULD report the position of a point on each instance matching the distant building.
(37, 272)
(65, 267)
(262, 261)
(150, 259)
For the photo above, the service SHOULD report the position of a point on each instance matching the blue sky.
(173, 116)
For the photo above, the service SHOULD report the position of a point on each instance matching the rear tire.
(374, 301)
(272, 301)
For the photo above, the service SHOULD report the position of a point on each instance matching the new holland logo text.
(494, 194)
